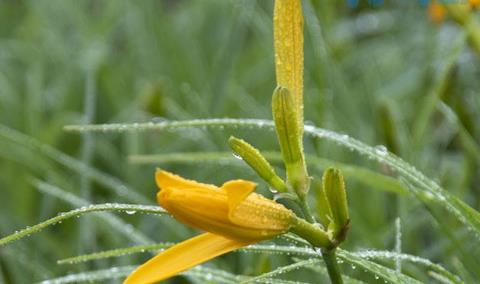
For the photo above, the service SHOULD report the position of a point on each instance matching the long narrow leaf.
(436, 194)
(146, 209)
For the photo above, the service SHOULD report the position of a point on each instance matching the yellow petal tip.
(166, 179)
(237, 191)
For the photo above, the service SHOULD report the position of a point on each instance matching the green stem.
(330, 259)
(319, 239)
(313, 234)
(306, 210)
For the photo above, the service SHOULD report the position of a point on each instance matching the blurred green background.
(384, 75)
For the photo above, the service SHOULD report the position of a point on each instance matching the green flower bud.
(323, 208)
(257, 162)
(290, 139)
(334, 188)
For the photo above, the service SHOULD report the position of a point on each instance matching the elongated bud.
(290, 139)
(257, 162)
(323, 208)
(334, 188)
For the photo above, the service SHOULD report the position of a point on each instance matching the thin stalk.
(313, 234)
(330, 258)
(87, 229)
(306, 210)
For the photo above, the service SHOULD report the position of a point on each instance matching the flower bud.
(335, 193)
(323, 208)
(232, 210)
(290, 139)
(257, 162)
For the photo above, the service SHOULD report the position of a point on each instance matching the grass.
(384, 75)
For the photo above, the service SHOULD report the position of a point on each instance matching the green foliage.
(153, 72)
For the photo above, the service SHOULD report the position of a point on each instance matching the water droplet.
(381, 150)
(309, 123)
(272, 190)
(237, 156)
(159, 119)
(130, 212)
(282, 195)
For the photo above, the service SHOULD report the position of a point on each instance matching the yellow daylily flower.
(233, 215)
(437, 11)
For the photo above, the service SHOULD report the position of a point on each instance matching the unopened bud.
(290, 139)
(334, 188)
(257, 162)
(323, 208)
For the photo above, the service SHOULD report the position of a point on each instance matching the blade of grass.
(287, 250)
(436, 193)
(87, 229)
(116, 207)
(363, 175)
(116, 223)
(438, 88)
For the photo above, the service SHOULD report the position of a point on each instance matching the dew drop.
(272, 190)
(237, 156)
(159, 119)
(309, 123)
(381, 150)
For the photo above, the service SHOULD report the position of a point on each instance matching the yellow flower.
(233, 215)
(437, 11)
(474, 3)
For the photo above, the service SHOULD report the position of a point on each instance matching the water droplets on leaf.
(381, 150)
(309, 123)
(273, 190)
(236, 156)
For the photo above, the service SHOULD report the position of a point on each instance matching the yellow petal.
(182, 257)
(165, 179)
(237, 191)
(288, 41)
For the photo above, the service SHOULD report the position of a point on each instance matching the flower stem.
(330, 259)
(306, 210)
(311, 233)
(319, 239)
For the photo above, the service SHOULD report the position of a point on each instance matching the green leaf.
(146, 209)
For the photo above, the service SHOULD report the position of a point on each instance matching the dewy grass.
(135, 62)
(434, 192)
(126, 208)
